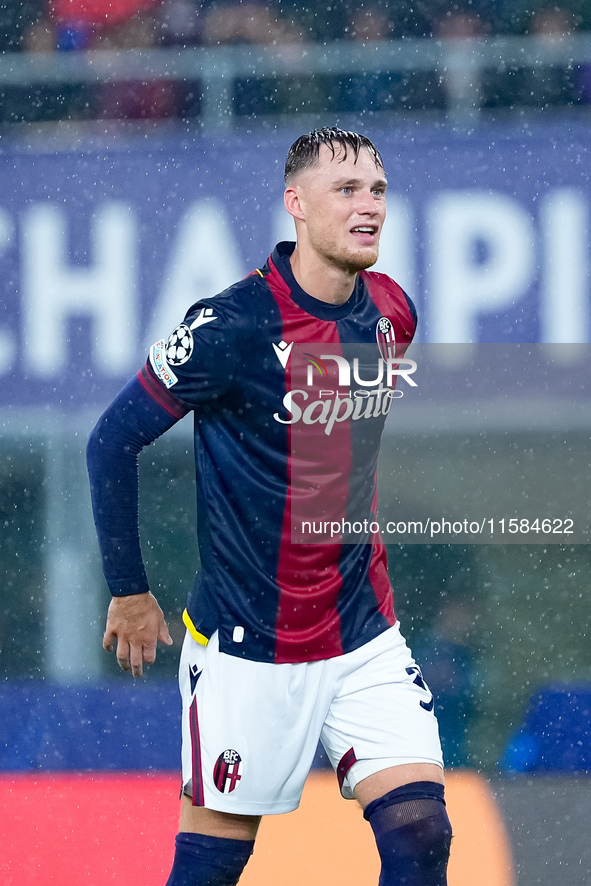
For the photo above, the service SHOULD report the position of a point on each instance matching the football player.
(291, 639)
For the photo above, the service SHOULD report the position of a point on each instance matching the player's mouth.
(366, 234)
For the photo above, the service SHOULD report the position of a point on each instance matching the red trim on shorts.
(197, 775)
(344, 766)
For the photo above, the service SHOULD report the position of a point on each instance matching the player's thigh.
(382, 716)
(386, 780)
(250, 730)
(198, 820)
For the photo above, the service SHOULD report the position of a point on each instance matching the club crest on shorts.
(386, 338)
(227, 771)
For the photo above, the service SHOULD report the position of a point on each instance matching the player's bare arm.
(137, 623)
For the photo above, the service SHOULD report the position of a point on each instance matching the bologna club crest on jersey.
(227, 772)
(386, 338)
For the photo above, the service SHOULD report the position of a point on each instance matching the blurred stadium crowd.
(73, 26)
(32, 25)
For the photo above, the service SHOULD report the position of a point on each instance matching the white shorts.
(251, 729)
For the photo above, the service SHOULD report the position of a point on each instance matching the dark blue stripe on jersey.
(360, 623)
(411, 308)
(132, 421)
(250, 489)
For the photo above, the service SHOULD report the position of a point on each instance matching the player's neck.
(320, 279)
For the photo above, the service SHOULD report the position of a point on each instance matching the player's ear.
(293, 202)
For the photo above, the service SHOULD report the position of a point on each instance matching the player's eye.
(347, 191)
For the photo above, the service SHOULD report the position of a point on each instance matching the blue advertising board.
(102, 249)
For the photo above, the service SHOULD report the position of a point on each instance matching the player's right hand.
(137, 623)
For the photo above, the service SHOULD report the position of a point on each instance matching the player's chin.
(361, 259)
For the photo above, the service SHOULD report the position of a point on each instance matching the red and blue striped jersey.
(288, 421)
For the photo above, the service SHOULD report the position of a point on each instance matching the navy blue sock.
(208, 861)
(413, 835)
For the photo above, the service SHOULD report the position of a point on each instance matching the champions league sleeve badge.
(179, 346)
(386, 338)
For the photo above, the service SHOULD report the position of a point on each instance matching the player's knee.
(201, 860)
(413, 835)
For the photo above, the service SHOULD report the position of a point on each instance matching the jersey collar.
(313, 306)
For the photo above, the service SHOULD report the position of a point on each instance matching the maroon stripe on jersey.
(344, 766)
(308, 625)
(197, 774)
(378, 577)
(160, 394)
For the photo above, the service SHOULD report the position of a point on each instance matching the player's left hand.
(137, 623)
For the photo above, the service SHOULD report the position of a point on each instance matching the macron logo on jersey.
(204, 316)
(283, 350)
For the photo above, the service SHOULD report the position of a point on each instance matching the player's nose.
(366, 203)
